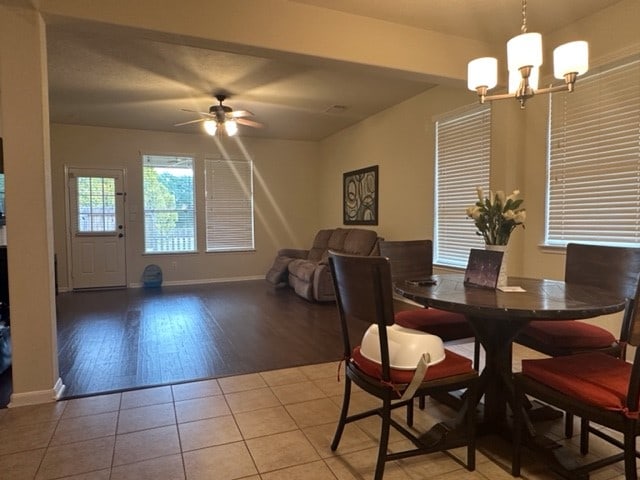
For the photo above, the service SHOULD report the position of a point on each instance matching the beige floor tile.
(314, 412)
(146, 396)
(298, 392)
(92, 405)
(353, 439)
(281, 450)
(163, 468)
(26, 437)
(284, 376)
(251, 400)
(146, 444)
(266, 421)
(224, 462)
(361, 465)
(322, 370)
(95, 475)
(429, 466)
(201, 408)
(308, 471)
(22, 465)
(330, 386)
(76, 429)
(76, 458)
(204, 388)
(208, 433)
(28, 415)
(241, 383)
(142, 418)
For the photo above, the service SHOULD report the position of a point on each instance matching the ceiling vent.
(336, 109)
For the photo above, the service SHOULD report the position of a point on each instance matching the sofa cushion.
(359, 241)
(320, 244)
(336, 242)
(302, 269)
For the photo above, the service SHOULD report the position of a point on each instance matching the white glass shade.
(515, 76)
(572, 57)
(210, 126)
(524, 50)
(482, 72)
(231, 127)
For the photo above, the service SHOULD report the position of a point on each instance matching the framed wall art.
(360, 196)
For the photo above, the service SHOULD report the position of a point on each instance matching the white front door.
(96, 227)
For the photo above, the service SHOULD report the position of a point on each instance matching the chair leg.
(568, 425)
(470, 403)
(384, 439)
(630, 472)
(518, 424)
(410, 413)
(584, 436)
(421, 402)
(476, 354)
(343, 414)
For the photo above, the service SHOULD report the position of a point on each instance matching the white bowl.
(406, 346)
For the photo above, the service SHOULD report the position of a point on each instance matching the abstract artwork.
(360, 196)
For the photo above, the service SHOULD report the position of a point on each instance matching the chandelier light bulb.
(482, 72)
(515, 77)
(572, 57)
(525, 50)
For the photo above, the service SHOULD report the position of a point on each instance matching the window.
(169, 212)
(593, 180)
(463, 146)
(96, 204)
(229, 204)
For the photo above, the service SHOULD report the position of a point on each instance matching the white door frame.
(68, 214)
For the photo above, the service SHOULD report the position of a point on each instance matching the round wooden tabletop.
(542, 299)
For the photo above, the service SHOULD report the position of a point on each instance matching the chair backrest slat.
(364, 294)
(614, 269)
(410, 259)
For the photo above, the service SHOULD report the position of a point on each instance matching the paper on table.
(511, 289)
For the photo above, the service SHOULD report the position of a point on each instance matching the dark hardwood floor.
(122, 339)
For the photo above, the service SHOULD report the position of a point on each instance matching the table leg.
(496, 382)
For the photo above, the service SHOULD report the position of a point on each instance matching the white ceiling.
(131, 82)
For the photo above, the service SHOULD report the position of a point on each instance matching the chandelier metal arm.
(525, 92)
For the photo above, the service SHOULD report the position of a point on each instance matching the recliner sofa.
(307, 271)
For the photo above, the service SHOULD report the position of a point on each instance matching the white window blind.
(169, 208)
(593, 184)
(463, 146)
(229, 204)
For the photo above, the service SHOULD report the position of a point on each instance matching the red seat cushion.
(593, 378)
(453, 364)
(570, 334)
(446, 325)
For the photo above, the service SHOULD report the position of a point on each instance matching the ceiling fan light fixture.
(210, 126)
(231, 127)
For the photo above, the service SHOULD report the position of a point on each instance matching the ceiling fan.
(222, 118)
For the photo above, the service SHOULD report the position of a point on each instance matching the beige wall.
(286, 196)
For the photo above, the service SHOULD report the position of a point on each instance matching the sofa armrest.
(293, 253)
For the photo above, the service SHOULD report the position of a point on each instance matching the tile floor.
(262, 426)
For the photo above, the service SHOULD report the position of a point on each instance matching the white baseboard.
(37, 397)
(203, 281)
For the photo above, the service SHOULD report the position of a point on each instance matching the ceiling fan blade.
(197, 120)
(249, 123)
(208, 114)
(241, 113)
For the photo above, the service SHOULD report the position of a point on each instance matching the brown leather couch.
(307, 271)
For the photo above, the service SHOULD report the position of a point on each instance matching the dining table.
(497, 316)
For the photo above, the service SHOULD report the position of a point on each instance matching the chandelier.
(524, 57)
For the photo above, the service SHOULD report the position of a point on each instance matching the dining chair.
(413, 259)
(364, 294)
(614, 269)
(595, 386)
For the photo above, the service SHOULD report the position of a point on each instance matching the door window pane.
(96, 205)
